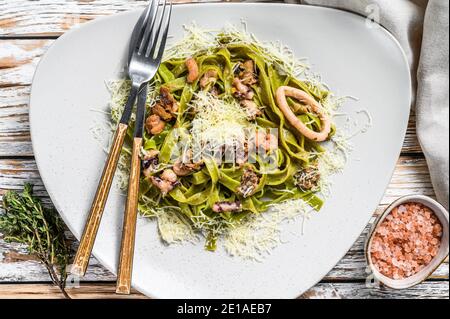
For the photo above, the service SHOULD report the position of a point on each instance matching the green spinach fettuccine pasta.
(219, 146)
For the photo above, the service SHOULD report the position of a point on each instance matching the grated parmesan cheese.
(218, 121)
(194, 41)
(259, 234)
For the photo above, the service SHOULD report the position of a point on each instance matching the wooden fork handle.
(98, 205)
(125, 270)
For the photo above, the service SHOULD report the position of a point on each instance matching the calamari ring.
(315, 107)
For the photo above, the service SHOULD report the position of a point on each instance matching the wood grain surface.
(27, 29)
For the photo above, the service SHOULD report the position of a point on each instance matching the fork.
(147, 47)
(123, 285)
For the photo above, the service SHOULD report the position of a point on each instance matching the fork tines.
(151, 40)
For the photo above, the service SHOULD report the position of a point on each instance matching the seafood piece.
(150, 162)
(167, 106)
(159, 111)
(208, 78)
(245, 78)
(249, 183)
(251, 109)
(169, 175)
(242, 153)
(240, 90)
(307, 179)
(248, 76)
(166, 182)
(183, 169)
(167, 100)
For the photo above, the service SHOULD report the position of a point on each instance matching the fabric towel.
(422, 28)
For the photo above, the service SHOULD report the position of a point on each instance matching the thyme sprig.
(25, 220)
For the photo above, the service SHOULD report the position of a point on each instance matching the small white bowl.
(442, 214)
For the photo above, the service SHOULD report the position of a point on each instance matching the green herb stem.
(41, 229)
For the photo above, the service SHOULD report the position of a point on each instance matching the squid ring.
(315, 107)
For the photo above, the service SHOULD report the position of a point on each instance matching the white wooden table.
(27, 29)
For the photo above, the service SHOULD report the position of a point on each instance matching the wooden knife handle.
(98, 205)
(125, 270)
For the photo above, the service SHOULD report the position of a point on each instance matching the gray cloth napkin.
(422, 28)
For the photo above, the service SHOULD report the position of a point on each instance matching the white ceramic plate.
(352, 58)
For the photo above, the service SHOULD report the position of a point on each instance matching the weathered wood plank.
(411, 176)
(17, 266)
(47, 291)
(411, 144)
(425, 290)
(15, 145)
(18, 60)
(14, 122)
(15, 172)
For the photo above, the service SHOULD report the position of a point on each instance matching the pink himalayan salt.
(406, 241)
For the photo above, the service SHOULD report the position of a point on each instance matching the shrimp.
(163, 185)
(315, 107)
(248, 66)
(250, 95)
(183, 169)
(252, 110)
(220, 207)
(248, 75)
(249, 183)
(242, 91)
(159, 110)
(241, 88)
(169, 176)
(193, 72)
(154, 124)
(208, 78)
(167, 99)
(166, 182)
